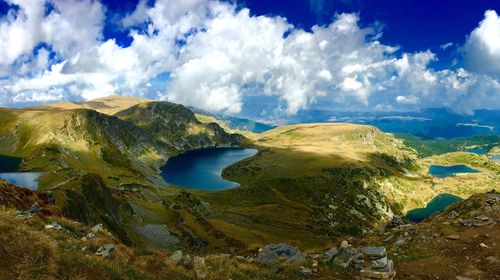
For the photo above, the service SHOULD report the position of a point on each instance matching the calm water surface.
(202, 169)
(447, 171)
(436, 205)
(479, 151)
(9, 171)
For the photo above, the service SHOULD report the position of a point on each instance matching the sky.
(258, 58)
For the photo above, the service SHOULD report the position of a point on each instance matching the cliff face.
(176, 127)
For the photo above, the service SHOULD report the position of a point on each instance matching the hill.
(108, 105)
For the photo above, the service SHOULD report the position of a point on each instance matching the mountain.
(310, 185)
(108, 105)
(231, 122)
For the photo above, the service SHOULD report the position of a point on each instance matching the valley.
(310, 185)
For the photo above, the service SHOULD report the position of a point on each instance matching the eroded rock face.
(274, 252)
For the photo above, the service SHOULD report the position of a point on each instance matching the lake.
(9, 171)
(479, 151)
(494, 157)
(202, 169)
(447, 171)
(436, 205)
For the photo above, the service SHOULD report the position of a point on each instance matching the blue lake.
(479, 151)
(202, 169)
(447, 171)
(436, 205)
(9, 171)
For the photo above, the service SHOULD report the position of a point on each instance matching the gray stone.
(482, 218)
(344, 244)
(374, 252)
(98, 228)
(453, 237)
(385, 273)
(35, 208)
(200, 268)
(273, 252)
(343, 260)
(106, 251)
(304, 271)
(380, 263)
(330, 254)
(176, 257)
(2, 200)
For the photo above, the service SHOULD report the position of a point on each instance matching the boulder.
(200, 268)
(374, 252)
(98, 228)
(379, 273)
(305, 271)
(330, 254)
(176, 257)
(106, 251)
(274, 252)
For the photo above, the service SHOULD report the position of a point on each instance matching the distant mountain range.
(433, 123)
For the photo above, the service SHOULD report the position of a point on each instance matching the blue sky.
(261, 58)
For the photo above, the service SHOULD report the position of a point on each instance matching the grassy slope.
(308, 184)
(109, 105)
(427, 148)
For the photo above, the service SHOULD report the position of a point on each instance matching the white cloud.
(407, 99)
(218, 55)
(482, 49)
(446, 46)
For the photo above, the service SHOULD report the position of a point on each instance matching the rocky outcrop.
(272, 253)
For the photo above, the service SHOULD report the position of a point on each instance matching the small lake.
(9, 171)
(436, 205)
(494, 157)
(479, 150)
(202, 169)
(447, 171)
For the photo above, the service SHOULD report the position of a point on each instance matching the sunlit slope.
(107, 105)
(129, 148)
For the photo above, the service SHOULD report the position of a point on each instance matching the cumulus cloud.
(217, 56)
(482, 49)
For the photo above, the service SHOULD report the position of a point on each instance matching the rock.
(492, 260)
(55, 226)
(453, 214)
(90, 235)
(344, 244)
(483, 223)
(106, 251)
(97, 228)
(374, 252)
(481, 218)
(453, 237)
(330, 254)
(200, 268)
(399, 242)
(35, 208)
(187, 261)
(273, 252)
(463, 278)
(304, 271)
(315, 266)
(176, 257)
(396, 221)
(343, 260)
(380, 263)
(384, 273)
(482, 245)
